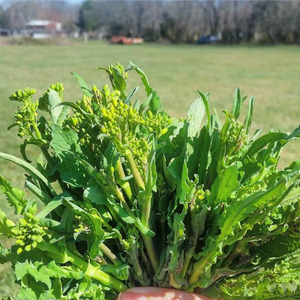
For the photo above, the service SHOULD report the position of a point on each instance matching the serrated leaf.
(39, 274)
(14, 196)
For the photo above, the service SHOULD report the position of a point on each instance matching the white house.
(43, 28)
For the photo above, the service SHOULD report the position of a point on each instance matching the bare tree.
(20, 12)
(179, 21)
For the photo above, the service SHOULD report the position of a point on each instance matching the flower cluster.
(23, 95)
(27, 113)
(30, 233)
(132, 239)
(236, 136)
(105, 114)
(119, 118)
(119, 72)
(140, 148)
(157, 124)
(120, 69)
(81, 224)
(200, 196)
(114, 118)
(58, 87)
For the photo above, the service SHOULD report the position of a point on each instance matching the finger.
(148, 293)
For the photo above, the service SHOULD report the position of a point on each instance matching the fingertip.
(128, 295)
(146, 293)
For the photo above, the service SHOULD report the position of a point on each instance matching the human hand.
(150, 293)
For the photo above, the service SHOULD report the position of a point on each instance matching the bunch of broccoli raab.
(125, 195)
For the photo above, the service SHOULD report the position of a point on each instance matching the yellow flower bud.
(28, 248)
(10, 223)
(164, 131)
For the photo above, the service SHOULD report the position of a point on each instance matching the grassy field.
(271, 74)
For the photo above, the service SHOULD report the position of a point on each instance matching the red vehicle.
(125, 40)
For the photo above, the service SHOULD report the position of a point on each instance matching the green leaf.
(295, 133)
(6, 255)
(128, 99)
(237, 103)
(179, 238)
(95, 195)
(146, 103)
(224, 185)
(27, 268)
(84, 87)
(117, 80)
(155, 104)
(238, 211)
(95, 220)
(261, 142)
(65, 144)
(85, 283)
(248, 120)
(120, 272)
(267, 283)
(64, 139)
(26, 293)
(30, 169)
(55, 111)
(37, 192)
(55, 202)
(195, 116)
(64, 113)
(31, 141)
(14, 196)
(206, 104)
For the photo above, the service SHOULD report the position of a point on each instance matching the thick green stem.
(133, 254)
(146, 212)
(199, 267)
(197, 271)
(90, 270)
(124, 184)
(36, 130)
(135, 172)
(38, 192)
(110, 255)
(151, 252)
(188, 256)
(129, 211)
(148, 241)
(173, 282)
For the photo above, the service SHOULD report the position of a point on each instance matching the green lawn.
(271, 74)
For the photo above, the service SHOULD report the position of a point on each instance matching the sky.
(74, 1)
(70, 1)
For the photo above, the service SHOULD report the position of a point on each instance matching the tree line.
(249, 21)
